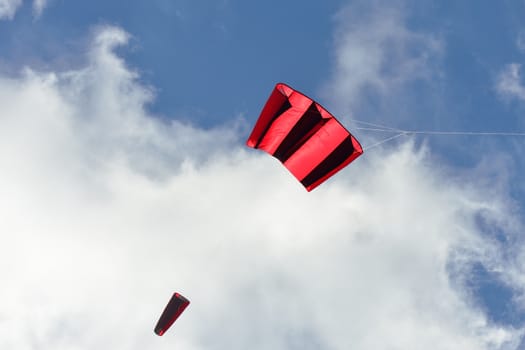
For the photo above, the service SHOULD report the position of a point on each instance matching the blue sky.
(187, 50)
(125, 122)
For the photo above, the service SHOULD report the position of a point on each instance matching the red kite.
(304, 136)
(175, 307)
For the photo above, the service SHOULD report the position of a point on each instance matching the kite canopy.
(175, 307)
(304, 136)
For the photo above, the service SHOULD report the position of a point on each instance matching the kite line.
(401, 132)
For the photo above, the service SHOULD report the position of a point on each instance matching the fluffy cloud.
(8, 8)
(107, 209)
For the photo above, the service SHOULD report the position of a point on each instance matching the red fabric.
(171, 312)
(304, 136)
(316, 149)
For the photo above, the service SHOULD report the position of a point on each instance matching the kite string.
(384, 141)
(467, 133)
(384, 128)
(401, 132)
(378, 126)
(376, 129)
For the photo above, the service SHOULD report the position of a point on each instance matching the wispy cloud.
(106, 210)
(38, 7)
(8, 8)
(509, 83)
(376, 51)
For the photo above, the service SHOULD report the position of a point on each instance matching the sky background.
(124, 176)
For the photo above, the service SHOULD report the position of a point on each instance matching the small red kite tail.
(304, 136)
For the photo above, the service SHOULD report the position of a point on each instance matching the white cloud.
(38, 7)
(106, 210)
(509, 82)
(375, 50)
(8, 8)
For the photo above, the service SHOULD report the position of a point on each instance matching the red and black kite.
(304, 136)
(175, 307)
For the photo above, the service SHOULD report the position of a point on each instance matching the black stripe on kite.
(284, 107)
(336, 158)
(306, 126)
